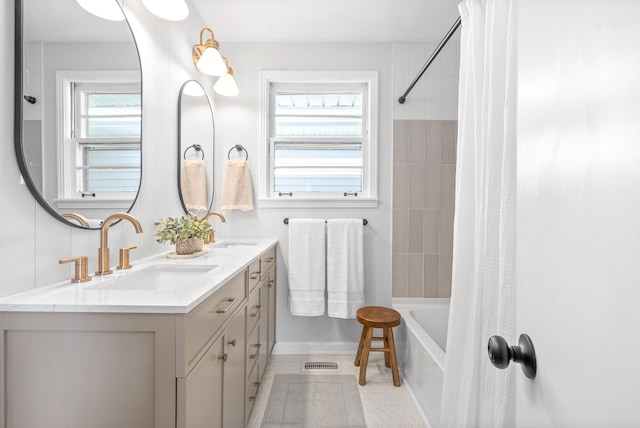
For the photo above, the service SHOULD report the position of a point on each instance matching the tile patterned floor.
(385, 406)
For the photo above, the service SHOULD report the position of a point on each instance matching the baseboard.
(286, 348)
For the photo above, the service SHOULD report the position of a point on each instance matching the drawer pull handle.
(231, 302)
(254, 275)
(233, 342)
(255, 314)
(223, 357)
(270, 283)
(269, 260)
(254, 356)
(253, 397)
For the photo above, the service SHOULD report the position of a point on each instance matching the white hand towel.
(194, 184)
(306, 267)
(237, 192)
(345, 267)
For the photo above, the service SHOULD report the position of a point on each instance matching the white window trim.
(370, 160)
(65, 156)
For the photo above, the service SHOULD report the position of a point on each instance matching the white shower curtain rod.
(433, 56)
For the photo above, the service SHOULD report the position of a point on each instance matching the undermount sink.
(234, 244)
(154, 278)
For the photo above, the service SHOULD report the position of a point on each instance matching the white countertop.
(66, 296)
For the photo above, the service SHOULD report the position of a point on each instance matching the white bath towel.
(194, 184)
(306, 267)
(237, 192)
(345, 267)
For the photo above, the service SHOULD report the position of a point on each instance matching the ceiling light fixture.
(171, 10)
(109, 10)
(206, 56)
(226, 84)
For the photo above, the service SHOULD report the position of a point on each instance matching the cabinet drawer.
(253, 386)
(268, 259)
(254, 310)
(201, 324)
(254, 274)
(253, 348)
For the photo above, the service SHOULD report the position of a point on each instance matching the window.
(319, 139)
(100, 142)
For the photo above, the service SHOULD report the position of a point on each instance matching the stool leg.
(360, 346)
(394, 360)
(386, 345)
(365, 356)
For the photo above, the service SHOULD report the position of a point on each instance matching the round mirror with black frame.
(196, 143)
(78, 109)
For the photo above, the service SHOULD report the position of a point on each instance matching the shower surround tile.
(424, 200)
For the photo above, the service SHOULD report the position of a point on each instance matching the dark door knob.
(501, 354)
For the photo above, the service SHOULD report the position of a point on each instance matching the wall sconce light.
(226, 84)
(171, 10)
(109, 10)
(206, 56)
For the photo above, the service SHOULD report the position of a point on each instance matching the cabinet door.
(200, 393)
(262, 324)
(271, 312)
(234, 373)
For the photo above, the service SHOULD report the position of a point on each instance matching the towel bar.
(364, 221)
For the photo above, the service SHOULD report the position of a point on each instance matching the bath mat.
(298, 400)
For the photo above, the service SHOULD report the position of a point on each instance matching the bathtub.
(420, 344)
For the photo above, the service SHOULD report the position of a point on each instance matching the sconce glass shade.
(226, 84)
(109, 10)
(171, 10)
(206, 56)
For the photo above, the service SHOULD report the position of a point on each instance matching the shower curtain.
(476, 394)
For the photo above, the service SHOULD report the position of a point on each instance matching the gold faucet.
(78, 217)
(211, 237)
(103, 251)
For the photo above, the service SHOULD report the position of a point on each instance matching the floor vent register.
(320, 366)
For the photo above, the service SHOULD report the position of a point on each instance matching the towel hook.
(239, 148)
(196, 147)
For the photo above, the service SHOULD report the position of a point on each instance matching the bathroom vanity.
(168, 343)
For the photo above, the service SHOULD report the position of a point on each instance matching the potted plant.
(182, 232)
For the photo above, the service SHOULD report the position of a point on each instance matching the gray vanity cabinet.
(202, 368)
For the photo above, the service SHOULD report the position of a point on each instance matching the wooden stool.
(377, 317)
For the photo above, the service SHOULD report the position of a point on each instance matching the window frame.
(67, 195)
(324, 80)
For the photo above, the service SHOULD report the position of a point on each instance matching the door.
(578, 218)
